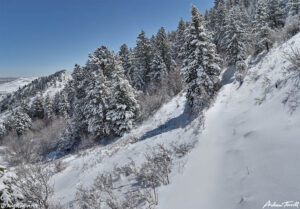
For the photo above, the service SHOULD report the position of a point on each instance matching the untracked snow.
(248, 152)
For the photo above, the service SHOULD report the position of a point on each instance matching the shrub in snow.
(294, 58)
(180, 150)
(101, 195)
(154, 172)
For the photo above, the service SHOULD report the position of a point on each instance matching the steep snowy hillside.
(249, 150)
(14, 85)
(246, 153)
(169, 124)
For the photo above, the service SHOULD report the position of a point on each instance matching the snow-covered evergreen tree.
(111, 107)
(261, 30)
(220, 22)
(20, 122)
(80, 78)
(158, 68)
(25, 107)
(37, 107)
(180, 39)
(162, 46)
(10, 195)
(97, 104)
(162, 59)
(235, 39)
(294, 7)
(55, 103)
(276, 13)
(127, 59)
(123, 109)
(201, 69)
(48, 111)
(63, 105)
(143, 57)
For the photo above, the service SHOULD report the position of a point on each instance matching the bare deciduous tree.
(33, 183)
(294, 58)
(155, 171)
(19, 149)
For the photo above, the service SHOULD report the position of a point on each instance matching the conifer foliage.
(261, 28)
(20, 122)
(201, 69)
(294, 7)
(235, 39)
(105, 101)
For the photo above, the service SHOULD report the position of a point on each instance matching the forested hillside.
(114, 132)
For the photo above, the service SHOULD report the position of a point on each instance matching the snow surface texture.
(248, 152)
(82, 169)
(11, 86)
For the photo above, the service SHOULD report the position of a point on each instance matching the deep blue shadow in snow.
(179, 122)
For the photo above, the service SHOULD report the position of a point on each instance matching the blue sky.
(40, 37)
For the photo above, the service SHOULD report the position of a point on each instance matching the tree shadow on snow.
(179, 122)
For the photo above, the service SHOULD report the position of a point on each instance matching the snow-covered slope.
(248, 152)
(246, 155)
(166, 126)
(14, 85)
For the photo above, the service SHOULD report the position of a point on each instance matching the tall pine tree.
(261, 30)
(143, 57)
(235, 39)
(201, 69)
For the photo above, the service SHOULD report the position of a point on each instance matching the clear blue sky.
(40, 37)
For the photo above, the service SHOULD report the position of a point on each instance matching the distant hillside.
(26, 88)
(9, 85)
